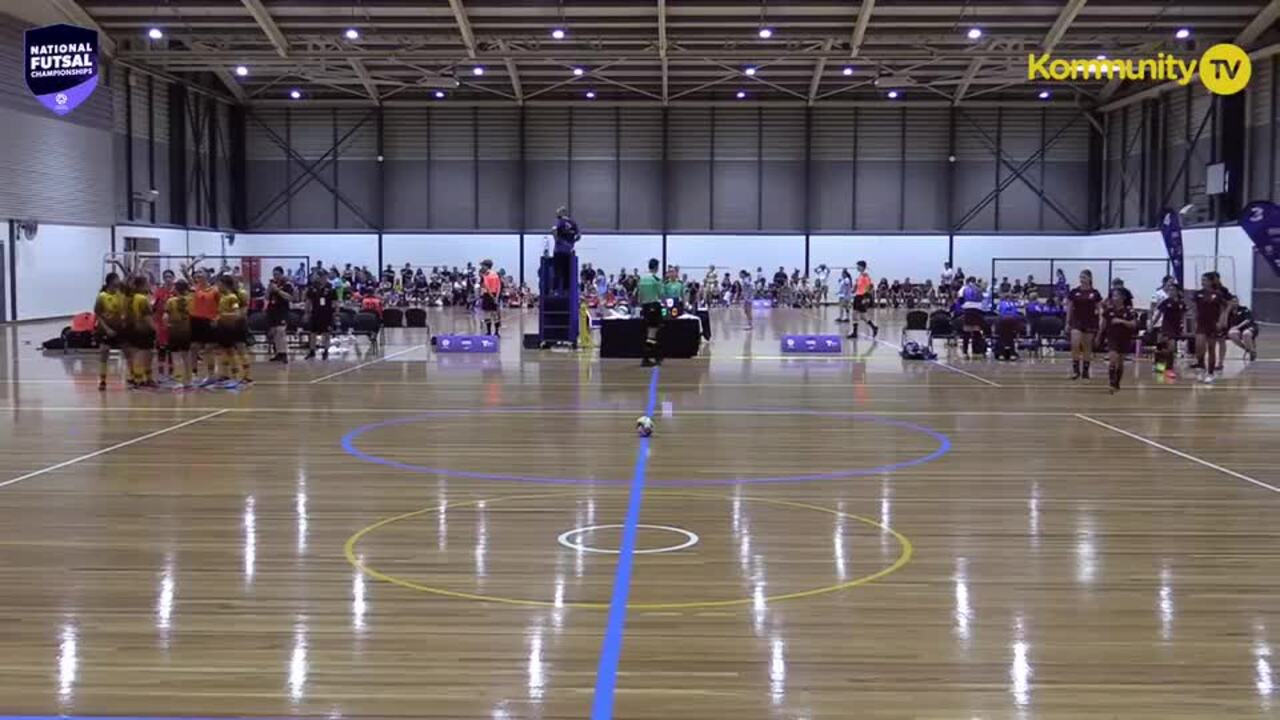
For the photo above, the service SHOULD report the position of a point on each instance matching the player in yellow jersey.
(141, 336)
(177, 311)
(231, 329)
(246, 338)
(109, 323)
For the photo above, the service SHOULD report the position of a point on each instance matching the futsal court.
(406, 534)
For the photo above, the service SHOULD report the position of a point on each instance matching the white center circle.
(567, 539)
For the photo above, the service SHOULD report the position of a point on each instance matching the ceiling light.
(765, 33)
(155, 33)
(847, 71)
(742, 94)
(296, 94)
(591, 94)
(975, 33)
(477, 70)
(352, 34)
(1182, 34)
(1044, 95)
(241, 70)
(578, 71)
(893, 94)
(1101, 56)
(750, 71)
(439, 94)
(558, 33)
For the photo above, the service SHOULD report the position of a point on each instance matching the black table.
(624, 337)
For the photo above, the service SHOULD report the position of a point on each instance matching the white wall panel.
(59, 272)
(608, 252)
(452, 251)
(337, 249)
(896, 257)
(693, 253)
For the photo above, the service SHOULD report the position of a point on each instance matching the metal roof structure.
(651, 52)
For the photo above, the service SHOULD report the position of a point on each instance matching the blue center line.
(611, 648)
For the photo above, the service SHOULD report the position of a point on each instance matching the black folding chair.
(369, 325)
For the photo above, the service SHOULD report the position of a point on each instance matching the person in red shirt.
(1084, 309)
(164, 358)
(490, 298)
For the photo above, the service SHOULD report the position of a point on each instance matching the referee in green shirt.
(649, 297)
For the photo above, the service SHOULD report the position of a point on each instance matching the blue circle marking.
(349, 445)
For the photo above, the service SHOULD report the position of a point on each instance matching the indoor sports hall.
(661, 360)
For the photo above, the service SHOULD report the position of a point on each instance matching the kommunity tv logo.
(1223, 69)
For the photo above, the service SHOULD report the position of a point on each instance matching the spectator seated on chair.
(1008, 326)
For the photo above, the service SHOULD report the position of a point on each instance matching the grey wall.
(145, 101)
(52, 169)
(709, 169)
(1152, 151)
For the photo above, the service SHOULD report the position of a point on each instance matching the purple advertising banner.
(467, 344)
(60, 64)
(1171, 231)
(811, 344)
(1261, 222)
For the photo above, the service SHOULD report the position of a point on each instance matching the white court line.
(330, 376)
(117, 446)
(1179, 453)
(606, 411)
(939, 363)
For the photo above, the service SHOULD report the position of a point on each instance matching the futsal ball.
(644, 426)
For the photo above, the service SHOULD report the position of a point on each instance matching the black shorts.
(1120, 339)
(973, 318)
(1089, 326)
(277, 320)
(179, 341)
(488, 303)
(144, 339)
(202, 331)
(1211, 331)
(320, 323)
(862, 303)
(232, 333)
(651, 313)
(114, 342)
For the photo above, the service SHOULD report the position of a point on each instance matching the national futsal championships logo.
(1224, 69)
(61, 65)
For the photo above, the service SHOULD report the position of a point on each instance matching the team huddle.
(184, 321)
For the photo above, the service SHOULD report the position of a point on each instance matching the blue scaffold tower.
(557, 310)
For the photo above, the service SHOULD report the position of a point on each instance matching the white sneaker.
(1208, 379)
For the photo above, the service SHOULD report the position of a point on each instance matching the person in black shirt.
(322, 303)
(279, 295)
(1243, 331)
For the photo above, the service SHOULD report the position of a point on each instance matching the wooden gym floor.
(405, 535)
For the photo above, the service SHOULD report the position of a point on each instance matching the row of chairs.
(1038, 332)
(413, 317)
(360, 324)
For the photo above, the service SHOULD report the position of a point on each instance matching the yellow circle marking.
(1225, 69)
(904, 557)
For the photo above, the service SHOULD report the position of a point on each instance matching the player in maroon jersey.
(1084, 305)
(1212, 304)
(1121, 323)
